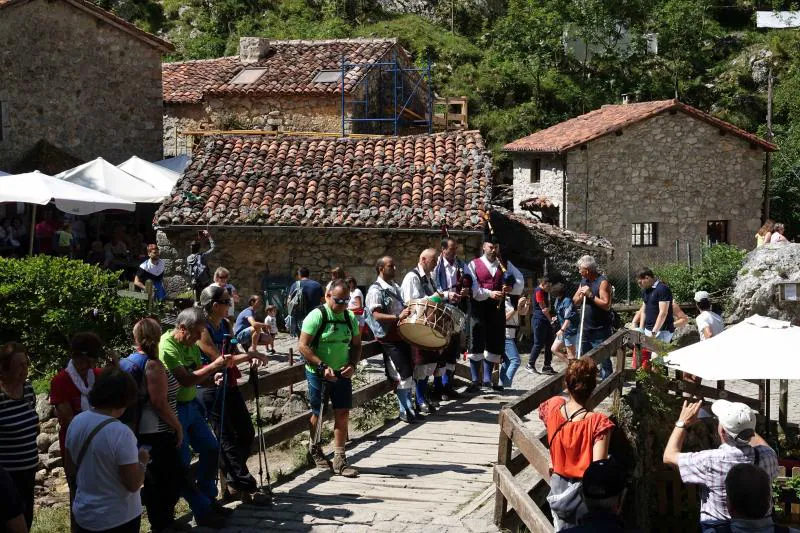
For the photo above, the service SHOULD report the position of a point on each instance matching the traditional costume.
(155, 272)
(488, 332)
(418, 285)
(449, 278)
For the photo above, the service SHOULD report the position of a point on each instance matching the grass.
(56, 519)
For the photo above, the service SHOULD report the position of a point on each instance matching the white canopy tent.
(102, 176)
(39, 189)
(756, 348)
(176, 164)
(161, 178)
(4, 173)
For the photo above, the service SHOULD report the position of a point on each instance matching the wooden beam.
(535, 452)
(711, 392)
(528, 512)
(503, 458)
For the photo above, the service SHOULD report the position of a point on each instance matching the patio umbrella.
(39, 189)
(756, 348)
(161, 178)
(100, 175)
(176, 164)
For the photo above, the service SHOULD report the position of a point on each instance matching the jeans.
(236, 437)
(542, 338)
(198, 435)
(511, 362)
(590, 342)
(166, 477)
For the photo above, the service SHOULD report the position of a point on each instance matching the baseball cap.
(603, 479)
(734, 417)
(699, 296)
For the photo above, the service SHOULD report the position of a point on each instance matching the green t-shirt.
(174, 354)
(334, 343)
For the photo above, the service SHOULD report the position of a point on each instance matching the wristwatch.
(321, 368)
(680, 424)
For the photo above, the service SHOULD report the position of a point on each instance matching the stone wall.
(77, 82)
(550, 184)
(673, 170)
(244, 251)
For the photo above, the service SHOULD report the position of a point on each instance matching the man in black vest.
(595, 291)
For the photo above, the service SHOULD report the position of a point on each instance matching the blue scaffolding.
(390, 97)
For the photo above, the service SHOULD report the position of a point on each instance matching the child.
(272, 327)
(65, 241)
(567, 335)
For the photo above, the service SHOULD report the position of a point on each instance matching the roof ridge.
(310, 136)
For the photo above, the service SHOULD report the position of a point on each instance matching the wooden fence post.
(148, 289)
(503, 458)
(620, 364)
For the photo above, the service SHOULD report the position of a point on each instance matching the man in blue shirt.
(313, 296)
(250, 329)
(655, 316)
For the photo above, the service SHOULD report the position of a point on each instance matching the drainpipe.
(564, 190)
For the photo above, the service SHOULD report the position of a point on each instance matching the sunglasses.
(340, 301)
(224, 302)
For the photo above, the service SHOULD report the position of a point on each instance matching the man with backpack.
(331, 345)
(199, 274)
(304, 295)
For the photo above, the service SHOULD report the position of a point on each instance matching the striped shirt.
(150, 421)
(19, 427)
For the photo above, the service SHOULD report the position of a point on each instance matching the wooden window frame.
(646, 233)
(536, 170)
(725, 233)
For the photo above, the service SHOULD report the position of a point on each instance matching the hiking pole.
(580, 333)
(323, 391)
(262, 450)
(221, 427)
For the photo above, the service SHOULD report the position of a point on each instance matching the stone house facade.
(79, 78)
(644, 176)
(291, 86)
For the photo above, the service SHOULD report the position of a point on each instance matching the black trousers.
(166, 477)
(235, 437)
(542, 338)
(128, 527)
(489, 330)
(399, 353)
(25, 481)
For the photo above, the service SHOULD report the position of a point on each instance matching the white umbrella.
(100, 175)
(176, 164)
(756, 348)
(39, 189)
(161, 178)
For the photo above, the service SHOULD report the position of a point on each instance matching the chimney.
(627, 98)
(253, 49)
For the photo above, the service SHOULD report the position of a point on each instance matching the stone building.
(325, 202)
(294, 86)
(80, 79)
(644, 175)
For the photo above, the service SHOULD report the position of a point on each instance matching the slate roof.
(290, 69)
(412, 182)
(110, 18)
(575, 132)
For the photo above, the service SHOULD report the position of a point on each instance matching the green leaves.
(716, 272)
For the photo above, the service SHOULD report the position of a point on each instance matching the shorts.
(245, 337)
(663, 335)
(340, 392)
(570, 340)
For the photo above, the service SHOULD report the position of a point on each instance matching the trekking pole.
(318, 432)
(222, 403)
(580, 333)
(262, 450)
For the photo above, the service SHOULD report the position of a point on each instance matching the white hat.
(701, 295)
(734, 417)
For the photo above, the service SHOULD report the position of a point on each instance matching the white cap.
(701, 295)
(734, 417)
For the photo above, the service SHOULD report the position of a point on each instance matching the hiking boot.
(211, 520)
(318, 456)
(341, 468)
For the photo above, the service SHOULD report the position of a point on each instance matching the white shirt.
(511, 333)
(374, 297)
(270, 321)
(412, 287)
(450, 274)
(102, 501)
(479, 293)
(709, 319)
(777, 238)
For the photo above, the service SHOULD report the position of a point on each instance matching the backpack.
(324, 324)
(198, 271)
(373, 323)
(134, 365)
(294, 308)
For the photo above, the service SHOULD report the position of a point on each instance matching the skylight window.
(248, 76)
(328, 76)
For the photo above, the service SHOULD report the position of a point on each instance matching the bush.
(45, 300)
(715, 273)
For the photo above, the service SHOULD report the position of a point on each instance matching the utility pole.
(768, 165)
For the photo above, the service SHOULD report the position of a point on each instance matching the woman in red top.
(69, 389)
(577, 437)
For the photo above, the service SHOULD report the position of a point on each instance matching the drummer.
(418, 284)
(383, 309)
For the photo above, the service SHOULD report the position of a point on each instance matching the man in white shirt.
(416, 285)
(383, 309)
(709, 323)
(488, 307)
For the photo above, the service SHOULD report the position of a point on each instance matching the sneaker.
(451, 394)
(406, 417)
(548, 370)
(473, 388)
(498, 388)
(318, 456)
(272, 351)
(341, 468)
(486, 387)
(211, 520)
(426, 409)
(531, 369)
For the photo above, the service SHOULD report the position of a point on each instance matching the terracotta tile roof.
(610, 118)
(110, 18)
(526, 222)
(414, 182)
(290, 69)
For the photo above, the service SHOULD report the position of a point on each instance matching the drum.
(428, 326)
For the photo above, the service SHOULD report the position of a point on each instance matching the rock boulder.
(756, 288)
(43, 407)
